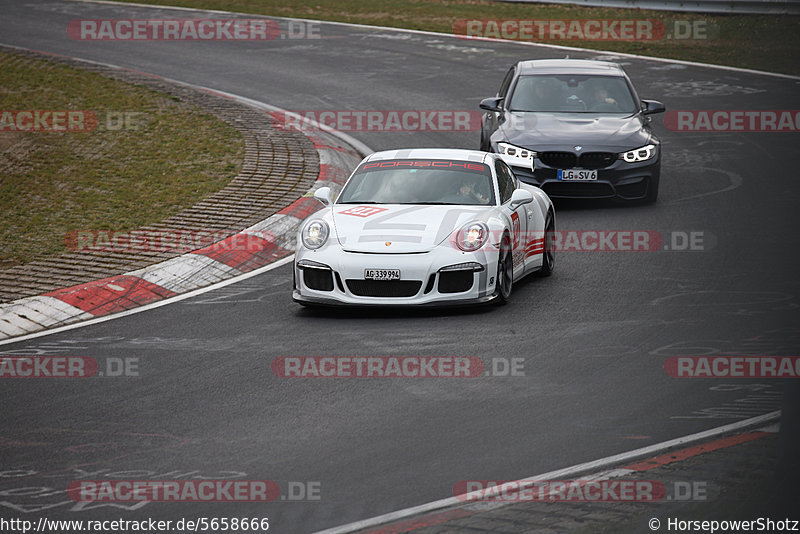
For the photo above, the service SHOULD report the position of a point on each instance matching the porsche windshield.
(572, 94)
(420, 182)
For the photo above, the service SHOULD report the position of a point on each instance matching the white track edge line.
(559, 473)
(279, 263)
(464, 38)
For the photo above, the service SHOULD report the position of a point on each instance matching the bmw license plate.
(575, 174)
(382, 274)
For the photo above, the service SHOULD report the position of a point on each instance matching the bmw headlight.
(640, 154)
(472, 236)
(315, 234)
(514, 155)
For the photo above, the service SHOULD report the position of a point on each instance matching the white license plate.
(382, 274)
(575, 174)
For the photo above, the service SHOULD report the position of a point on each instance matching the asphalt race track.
(594, 336)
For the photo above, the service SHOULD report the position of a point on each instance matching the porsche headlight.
(315, 234)
(472, 236)
(514, 155)
(640, 154)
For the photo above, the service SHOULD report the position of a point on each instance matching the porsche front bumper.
(440, 277)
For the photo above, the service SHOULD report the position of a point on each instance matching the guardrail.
(771, 7)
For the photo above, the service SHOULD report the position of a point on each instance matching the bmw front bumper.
(623, 180)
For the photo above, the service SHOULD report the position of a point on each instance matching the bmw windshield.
(572, 94)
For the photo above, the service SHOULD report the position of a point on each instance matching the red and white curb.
(266, 242)
(444, 510)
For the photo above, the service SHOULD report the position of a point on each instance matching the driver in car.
(473, 191)
(601, 100)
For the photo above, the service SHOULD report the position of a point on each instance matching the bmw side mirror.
(652, 106)
(520, 197)
(323, 194)
(492, 104)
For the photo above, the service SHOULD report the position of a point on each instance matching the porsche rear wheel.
(505, 271)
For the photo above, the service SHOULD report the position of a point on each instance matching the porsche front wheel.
(548, 256)
(505, 271)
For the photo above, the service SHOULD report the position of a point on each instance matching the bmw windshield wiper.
(361, 202)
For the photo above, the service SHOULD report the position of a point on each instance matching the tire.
(505, 271)
(548, 256)
(484, 144)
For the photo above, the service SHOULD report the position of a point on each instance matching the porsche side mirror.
(652, 106)
(323, 194)
(520, 197)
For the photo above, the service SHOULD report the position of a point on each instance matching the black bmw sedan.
(575, 128)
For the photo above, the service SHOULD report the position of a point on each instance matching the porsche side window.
(505, 182)
(510, 172)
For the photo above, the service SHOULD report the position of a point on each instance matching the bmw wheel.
(485, 146)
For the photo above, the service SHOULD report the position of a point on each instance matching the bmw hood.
(399, 228)
(594, 131)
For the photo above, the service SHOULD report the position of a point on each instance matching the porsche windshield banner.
(478, 168)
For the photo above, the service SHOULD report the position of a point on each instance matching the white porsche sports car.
(424, 227)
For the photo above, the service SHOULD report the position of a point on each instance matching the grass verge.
(116, 176)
